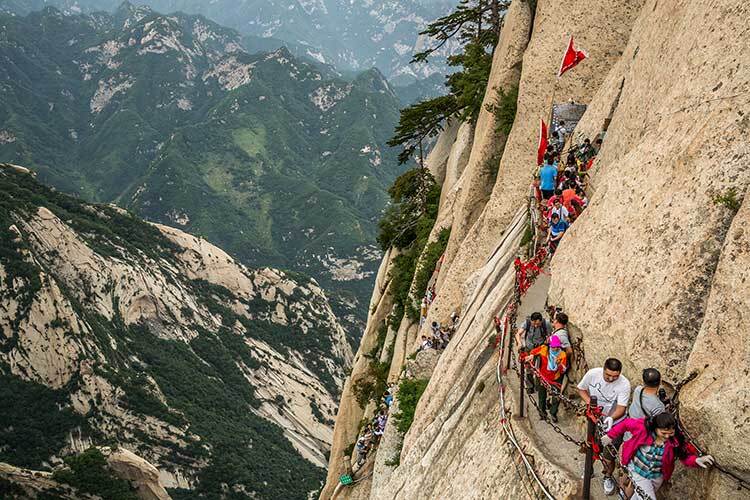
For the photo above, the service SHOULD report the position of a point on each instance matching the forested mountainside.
(119, 331)
(265, 155)
(351, 35)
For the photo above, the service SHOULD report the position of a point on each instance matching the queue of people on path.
(372, 432)
(370, 436)
(440, 334)
(643, 430)
(561, 191)
(430, 293)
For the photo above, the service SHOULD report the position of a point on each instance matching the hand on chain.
(705, 461)
(606, 440)
(607, 423)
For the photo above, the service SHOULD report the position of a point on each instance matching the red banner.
(542, 147)
(571, 58)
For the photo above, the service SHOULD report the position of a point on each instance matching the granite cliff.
(654, 271)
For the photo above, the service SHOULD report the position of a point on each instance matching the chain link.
(579, 407)
(555, 427)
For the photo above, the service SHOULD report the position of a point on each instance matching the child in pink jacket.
(651, 452)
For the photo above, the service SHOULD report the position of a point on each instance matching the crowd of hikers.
(561, 188)
(636, 427)
(440, 334)
(372, 432)
(370, 436)
(636, 424)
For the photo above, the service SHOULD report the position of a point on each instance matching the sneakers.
(542, 415)
(553, 418)
(609, 486)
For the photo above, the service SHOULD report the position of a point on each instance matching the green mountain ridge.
(352, 35)
(265, 155)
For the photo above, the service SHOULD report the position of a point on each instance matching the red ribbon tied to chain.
(527, 271)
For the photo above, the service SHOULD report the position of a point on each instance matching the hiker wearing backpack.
(552, 368)
(560, 329)
(531, 335)
(649, 398)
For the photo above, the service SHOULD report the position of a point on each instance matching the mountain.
(272, 158)
(119, 331)
(349, 34)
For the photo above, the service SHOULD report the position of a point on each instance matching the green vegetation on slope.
(406, 225)
(89, 473)
(35, 421)
(203, 381)
(477, 24)
(265, 155)
(409, 392)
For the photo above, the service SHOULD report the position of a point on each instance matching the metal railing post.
(521, 402)
(588, 469)
(510, 347)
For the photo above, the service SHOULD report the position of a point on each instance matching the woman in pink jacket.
(651, 452)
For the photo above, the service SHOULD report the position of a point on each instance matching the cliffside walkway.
(531, 294)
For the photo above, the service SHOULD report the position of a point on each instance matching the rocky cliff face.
(654, 272)
(118, 330)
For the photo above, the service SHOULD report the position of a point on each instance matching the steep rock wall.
(475, 185)
(665, 265)
(350, 413)
(655, 270)
(455, 447)
(602, 27)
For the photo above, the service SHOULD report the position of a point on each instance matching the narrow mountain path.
(552, 445)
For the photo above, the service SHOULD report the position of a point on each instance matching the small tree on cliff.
(413, 195)
(476, 24)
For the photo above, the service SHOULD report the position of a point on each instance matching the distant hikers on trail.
(374, 429)
(548, 179)
(557, 228)
(440, 334)
(561, 189)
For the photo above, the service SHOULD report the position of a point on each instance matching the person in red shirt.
(552, 367)
(572, 201)
(551, 201)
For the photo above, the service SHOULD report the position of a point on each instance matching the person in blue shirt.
(557, 228)
(548, 179)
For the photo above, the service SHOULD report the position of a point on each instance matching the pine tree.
(476, 24)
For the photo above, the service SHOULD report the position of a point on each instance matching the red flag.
(542, 143)
(571, 58)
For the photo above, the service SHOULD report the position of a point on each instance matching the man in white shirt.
(559, 209)
(612, 392)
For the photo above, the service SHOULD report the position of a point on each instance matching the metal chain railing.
(505, 421)
(674, 408)
(526, 273)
